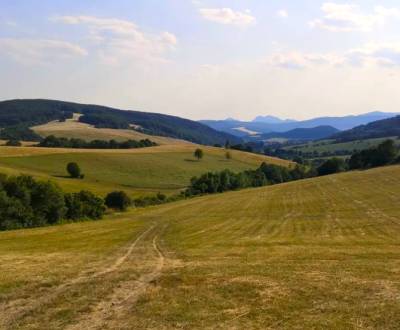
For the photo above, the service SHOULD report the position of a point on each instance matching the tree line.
(268, 174)
(61, 142)
(218, 182)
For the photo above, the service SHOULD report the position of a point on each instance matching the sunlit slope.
(165, 168)
(72, 128)
(322, 253)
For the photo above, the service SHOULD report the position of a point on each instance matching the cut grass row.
(322, 253)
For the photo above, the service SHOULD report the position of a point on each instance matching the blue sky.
(205, 58)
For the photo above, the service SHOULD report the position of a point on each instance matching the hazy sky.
(206, 58)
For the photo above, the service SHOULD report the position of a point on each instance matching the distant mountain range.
(316, 133)
(16, 116)
(271, 120)
(257, 127)
(377, 129)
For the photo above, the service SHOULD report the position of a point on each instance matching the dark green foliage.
(150, 200)
(383, 154)
(198, 153)
(103, 120)
(118, 200)
(84, 205)
(275, 174)
(242, 147)
(332, 166)
(35, 112)
(55, 142)
(13, 143)
(27, 203)
(19, 132)
(74, 170)
(210, 183)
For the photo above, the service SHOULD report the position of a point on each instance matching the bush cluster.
(26, 202)
(55, 142)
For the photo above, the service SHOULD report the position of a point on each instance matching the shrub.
(74, 170)
(118, 200)
(331, 166)
(26, 203)
(198, 153)
(13, 143)
(84, 205)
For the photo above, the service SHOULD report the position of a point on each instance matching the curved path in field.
(124, 293)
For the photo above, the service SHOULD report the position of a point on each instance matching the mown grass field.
(322, 253)
(166, 168)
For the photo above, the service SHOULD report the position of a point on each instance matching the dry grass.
(72, 128)
(314, 254)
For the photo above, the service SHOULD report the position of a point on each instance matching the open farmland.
(166, 168)
(322, 253)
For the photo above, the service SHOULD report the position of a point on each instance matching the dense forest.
(18, 115)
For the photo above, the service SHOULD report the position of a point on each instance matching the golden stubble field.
(322, 253)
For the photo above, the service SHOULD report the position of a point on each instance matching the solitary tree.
(199, 154)
(118, 200)
(74, 170)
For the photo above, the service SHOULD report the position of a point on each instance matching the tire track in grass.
(17, 310)
(108, 312)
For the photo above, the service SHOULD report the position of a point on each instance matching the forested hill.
(377, 129)
(17, 115)
(314, 133)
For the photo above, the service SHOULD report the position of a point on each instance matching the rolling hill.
(377, 129)
(312, 254)
(73, 128)
(340, 123)
(314, 133)
(166, 168)
(19, 115)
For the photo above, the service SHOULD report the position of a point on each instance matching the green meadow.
(322, 253)
(139, 172)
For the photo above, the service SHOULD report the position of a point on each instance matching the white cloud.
(282, 13)
(375, 54)
(120, 40)
(228, 16)
(370, 54)
(299, 60)
(348, 17)
(39, 51)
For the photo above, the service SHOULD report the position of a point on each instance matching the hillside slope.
(27, 113)
(377, 129)
(322, 253)
(73, 128)
(314, 133)
(167, 168)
